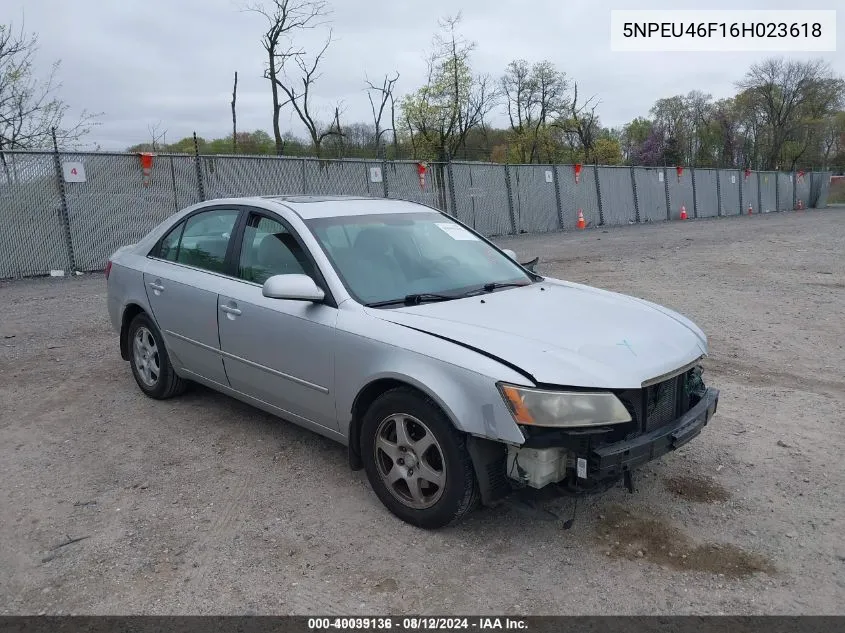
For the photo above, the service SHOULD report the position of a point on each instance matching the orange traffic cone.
(750, 210)
(683, 212)
(800, 204)
(582, 224)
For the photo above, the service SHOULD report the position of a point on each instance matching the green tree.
(789, 97)
(535, 97)
(439, 115)
(607, 151)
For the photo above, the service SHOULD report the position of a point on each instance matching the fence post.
(636, 198)
(200, 186)
(303, 162)
(794, 189)
(810, 201)
(173, 182)
(453, 205)
(759, 194)
(718, 193)
(694, 196)
(65, 216)
(557, 197)
(666, 188)
(598, 195)
(384, 178)
(777, 190)
(514, 228)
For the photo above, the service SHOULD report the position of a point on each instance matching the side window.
(206, 238)
(269, 249)
(168, 247)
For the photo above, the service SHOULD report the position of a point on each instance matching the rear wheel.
(150, 363)
(416, 461)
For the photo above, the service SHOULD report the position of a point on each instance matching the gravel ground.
(204, 505)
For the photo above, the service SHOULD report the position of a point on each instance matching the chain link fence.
(70, 211)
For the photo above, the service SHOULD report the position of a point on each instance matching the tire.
(149, 360)
(435, 461)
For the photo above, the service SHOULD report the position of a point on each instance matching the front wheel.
(416, 461)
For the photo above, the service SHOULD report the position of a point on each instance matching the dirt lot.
(204, 505)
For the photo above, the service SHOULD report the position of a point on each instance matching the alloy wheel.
(145, 356)
(410, 461)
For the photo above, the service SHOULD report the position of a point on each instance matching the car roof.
(311, 207)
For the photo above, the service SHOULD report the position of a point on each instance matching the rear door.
(276, 350)
(181, 280)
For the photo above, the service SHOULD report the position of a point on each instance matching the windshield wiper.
(490, 287)
(412, 300)
(513, 284)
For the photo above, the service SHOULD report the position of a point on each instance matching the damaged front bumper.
(582, 458)
(613, 459)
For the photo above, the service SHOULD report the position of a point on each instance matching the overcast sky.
(172, 60)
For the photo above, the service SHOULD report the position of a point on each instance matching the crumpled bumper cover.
(613, 459)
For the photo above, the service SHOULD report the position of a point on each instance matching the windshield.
(384, 257)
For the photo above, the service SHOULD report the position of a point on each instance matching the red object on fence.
(577, 173)
(680, 171)
(147, 167)
(421, 169)
(801, 175)
(747, 173)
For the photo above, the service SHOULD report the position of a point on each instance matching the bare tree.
(157, 136)
(29, 107)
(584, 122)
(299, 92)
(385, 96)
(234, 116)
(284, 19)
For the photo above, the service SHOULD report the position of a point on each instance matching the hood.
(562, 333)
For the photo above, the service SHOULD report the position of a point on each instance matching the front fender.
(462, 382)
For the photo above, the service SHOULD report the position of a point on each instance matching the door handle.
(230, 310)
(156, 285)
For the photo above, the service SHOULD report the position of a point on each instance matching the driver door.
(275, 350)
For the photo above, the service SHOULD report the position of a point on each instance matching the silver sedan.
(453, 374)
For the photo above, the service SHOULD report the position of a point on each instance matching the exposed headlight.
(563, 408)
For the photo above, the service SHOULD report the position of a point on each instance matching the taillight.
(108, 269)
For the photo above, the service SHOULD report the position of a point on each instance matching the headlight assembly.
(563, 408)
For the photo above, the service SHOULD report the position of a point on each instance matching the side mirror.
(293, 287)
(509, 253)
(531, 265)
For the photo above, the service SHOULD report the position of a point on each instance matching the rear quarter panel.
(126, 286)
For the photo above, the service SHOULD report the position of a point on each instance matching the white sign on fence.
(375, 174)
(660, 176)
(733, 180)
(549, 176)
(73, 172)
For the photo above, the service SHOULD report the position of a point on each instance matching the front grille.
(662, 402)
(658, 405)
